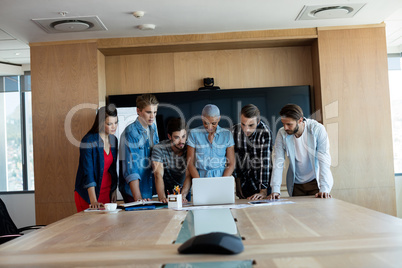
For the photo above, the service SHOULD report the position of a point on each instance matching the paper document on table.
(102, 210)
(238, 206)
(142, 203)
(268, 202)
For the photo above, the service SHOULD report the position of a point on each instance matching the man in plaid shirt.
(253, 146)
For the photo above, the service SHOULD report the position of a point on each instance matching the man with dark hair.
(169, 162)
(136, 178)
(305, 142)
(253, 145)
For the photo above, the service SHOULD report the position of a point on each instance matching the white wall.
(8, 69)
(21, 207)
(398, 189)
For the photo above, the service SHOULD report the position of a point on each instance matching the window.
(16, 149)
(395, 86)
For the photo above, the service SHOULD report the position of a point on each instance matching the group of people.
(148, 167)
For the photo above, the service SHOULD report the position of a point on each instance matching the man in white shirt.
(305, 142)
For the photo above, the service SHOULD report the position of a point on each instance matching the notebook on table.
(213, 191)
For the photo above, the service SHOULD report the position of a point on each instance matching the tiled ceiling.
(13, 50)
(175, 17)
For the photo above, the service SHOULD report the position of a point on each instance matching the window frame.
(23, 88)
(399, 56)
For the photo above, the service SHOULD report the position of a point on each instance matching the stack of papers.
(143, 205)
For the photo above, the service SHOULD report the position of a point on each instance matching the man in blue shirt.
(136, 179)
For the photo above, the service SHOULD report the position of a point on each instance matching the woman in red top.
(96, 180)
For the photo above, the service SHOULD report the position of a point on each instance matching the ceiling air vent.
(71, 24)
(329, 12)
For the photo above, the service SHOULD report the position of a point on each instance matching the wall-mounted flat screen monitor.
(189, 104)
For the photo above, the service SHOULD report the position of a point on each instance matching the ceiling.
(177, 17)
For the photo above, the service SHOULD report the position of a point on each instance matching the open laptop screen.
(213, 191)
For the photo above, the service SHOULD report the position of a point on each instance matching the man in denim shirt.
(136, 179)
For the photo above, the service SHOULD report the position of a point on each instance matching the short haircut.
(146, 100)
(175, 124)
(292, 111)
(211, 110)
(250, 111)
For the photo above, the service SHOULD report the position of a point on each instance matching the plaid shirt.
(253, 158)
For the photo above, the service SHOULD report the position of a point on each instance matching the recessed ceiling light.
(330, 12)
(71, 25)
(320, 12)
(145, 27)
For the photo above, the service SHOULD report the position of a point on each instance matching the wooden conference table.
(307, 233)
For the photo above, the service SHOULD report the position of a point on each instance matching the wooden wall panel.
(204, 42)
(192, 67)
(140, 73)
(63, 76)
(101, 79)
(184, 71)
(317, 82)
(355, 98)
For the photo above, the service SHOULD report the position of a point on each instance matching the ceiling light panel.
(321, 12)
(10, 54)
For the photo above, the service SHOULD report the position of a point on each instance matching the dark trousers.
(309, 188)
(248, 191)
(127, 198)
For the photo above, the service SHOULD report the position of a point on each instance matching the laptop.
(213, 191)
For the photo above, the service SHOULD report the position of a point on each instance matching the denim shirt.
(91, 164)
(210, 159)
(135, 159)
